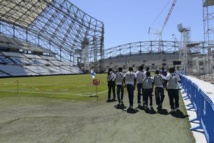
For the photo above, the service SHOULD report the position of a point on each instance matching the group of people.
(145, 83)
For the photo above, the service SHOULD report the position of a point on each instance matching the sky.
(128, 21)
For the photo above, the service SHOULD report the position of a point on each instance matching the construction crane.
(164, 25)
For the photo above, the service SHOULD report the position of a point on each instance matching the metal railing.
(203, 106)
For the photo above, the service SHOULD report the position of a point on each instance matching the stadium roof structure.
(141, 47)
(57, 25)
(151, 47)
(21, 12)
(208, 3)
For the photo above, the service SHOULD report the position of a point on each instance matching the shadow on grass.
(163, 112)
(150, 111)
(179, 114)
(118, 106)
(111, 100)
(132, 111)
(140, 107)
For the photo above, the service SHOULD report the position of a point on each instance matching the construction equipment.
(159, 33)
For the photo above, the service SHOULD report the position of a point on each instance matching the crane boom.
(159, 33)
(167, 18)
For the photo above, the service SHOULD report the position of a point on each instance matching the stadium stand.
(48, 38)
(151, 60)
(146, 53)
(17, 63)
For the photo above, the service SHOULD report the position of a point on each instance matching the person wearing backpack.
(120, 85)
(159, 88)
(140, 76)
(111, 84)
(172, 88)
(130, 82)
(148, 89)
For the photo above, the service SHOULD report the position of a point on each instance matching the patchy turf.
(74, 87)
(39, 118)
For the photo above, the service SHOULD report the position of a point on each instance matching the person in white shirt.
(159, 88)
(111, 84)
(147, 69)
(140, 76)
(148, 89)
(130, 82)
(173, 89)
(120, 85)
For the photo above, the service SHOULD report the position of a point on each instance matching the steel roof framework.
(142, 47)
(57, 25)
(195, 49)
(21, 12)
(208, 3)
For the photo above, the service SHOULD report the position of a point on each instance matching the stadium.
(144, 53)
(48, 37)
(49, 47)
(56, 37)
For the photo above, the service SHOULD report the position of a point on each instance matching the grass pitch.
(75, 87)
(45, 109)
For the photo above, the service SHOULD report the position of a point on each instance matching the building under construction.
(192, 57)
(44, 37)
(197, 57)
(56, 37)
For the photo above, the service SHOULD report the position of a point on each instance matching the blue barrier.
(203, 106)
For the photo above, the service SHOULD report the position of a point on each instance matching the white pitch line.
(81, 85)
(102, 91)
(9, 83)
(22, 84)
(64, 89)
(35, 92)
(94, 93)
(52, 92)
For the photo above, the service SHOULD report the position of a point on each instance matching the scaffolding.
(184, 51)
(208, 22)
(56, 25)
